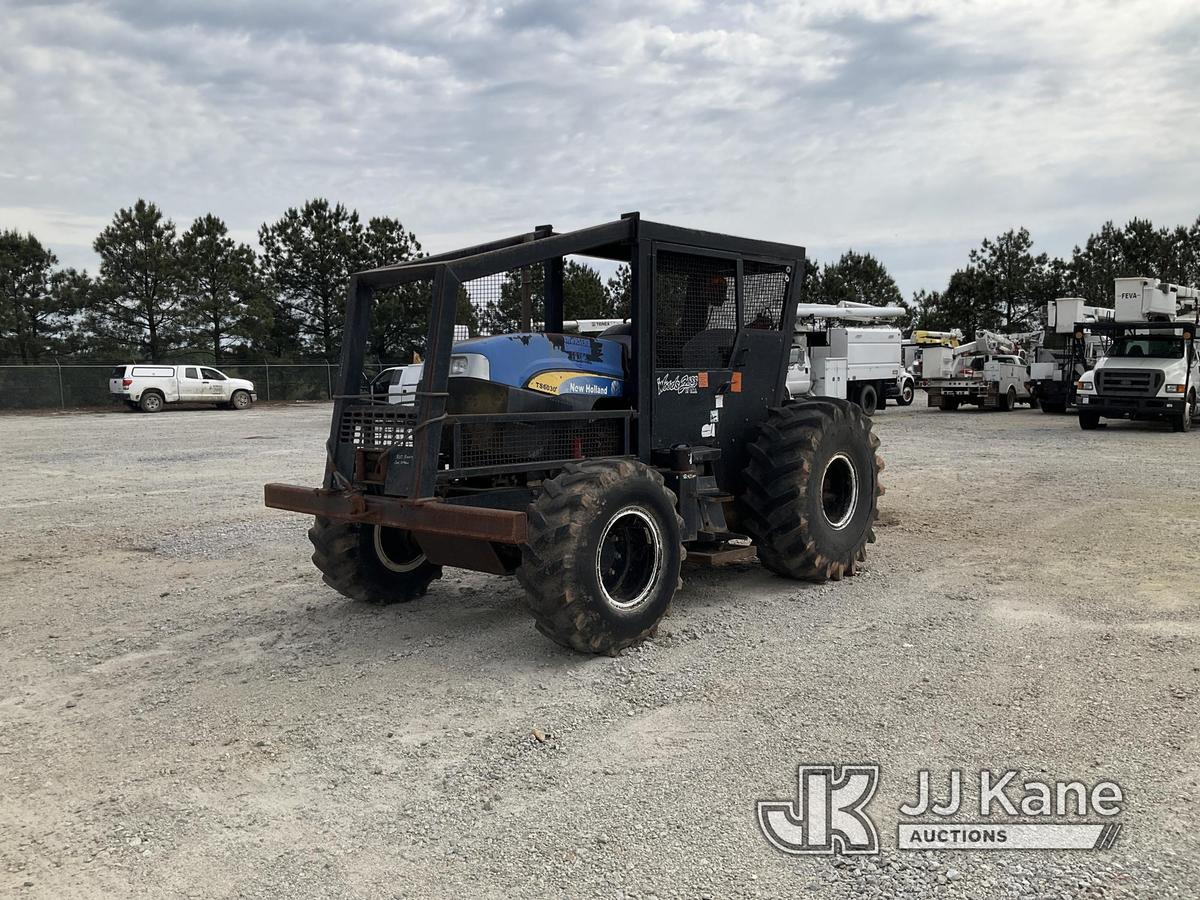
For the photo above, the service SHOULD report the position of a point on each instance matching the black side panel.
(721, 339)
(695, 330)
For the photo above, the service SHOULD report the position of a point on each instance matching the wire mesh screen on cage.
(695, 299)
(764, 290)
(502, 303)
(475, 444)
(400, 320)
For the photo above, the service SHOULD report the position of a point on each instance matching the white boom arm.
(857, 312)
(991, 343)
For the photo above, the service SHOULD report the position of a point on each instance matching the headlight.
(458, 365)
(1084, 386)
(1175, 388)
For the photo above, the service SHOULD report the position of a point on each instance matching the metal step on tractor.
(589, 467)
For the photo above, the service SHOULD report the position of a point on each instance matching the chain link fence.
(71, 385)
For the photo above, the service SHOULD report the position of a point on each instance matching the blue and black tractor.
(589, 466)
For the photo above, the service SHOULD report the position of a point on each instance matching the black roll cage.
(629, 239)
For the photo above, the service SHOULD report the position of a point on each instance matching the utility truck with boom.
(1069, 348)
(912, 350)
(588, 467)
(1150, 369)
(840, 351)
(990, 372)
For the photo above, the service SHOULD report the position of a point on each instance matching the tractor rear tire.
(812, 490)
(371, 563)
(602, 559)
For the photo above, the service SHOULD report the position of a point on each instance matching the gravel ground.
(186, 710)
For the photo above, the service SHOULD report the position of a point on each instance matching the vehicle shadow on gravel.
(486, 618)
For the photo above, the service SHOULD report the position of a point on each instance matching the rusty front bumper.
(501, 526)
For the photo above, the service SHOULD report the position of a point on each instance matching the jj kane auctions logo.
(828, 814)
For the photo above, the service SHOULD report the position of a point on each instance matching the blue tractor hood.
(556, 364)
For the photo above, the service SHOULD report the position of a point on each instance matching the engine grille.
(483, 441)
(377, 427)
(1129, 382)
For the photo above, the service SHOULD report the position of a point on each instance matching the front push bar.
(501, 526)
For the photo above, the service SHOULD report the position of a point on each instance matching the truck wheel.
(868, 399)
(1009, 400)
(907, 393)
(1089, 420)
(371, 563)
(602, 559)
(151, 402)
(240, 400)
(812, 490)
(949, 404)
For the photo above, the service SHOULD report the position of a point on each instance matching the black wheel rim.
(629, 559)
(839, 491)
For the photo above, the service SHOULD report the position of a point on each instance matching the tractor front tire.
(812, 490)
(603, 554)
(371, 563)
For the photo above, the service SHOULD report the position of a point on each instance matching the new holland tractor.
(589, 467)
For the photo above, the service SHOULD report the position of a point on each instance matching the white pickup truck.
(149, 388)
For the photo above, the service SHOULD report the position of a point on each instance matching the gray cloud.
(911, 134)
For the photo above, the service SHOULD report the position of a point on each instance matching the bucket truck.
(839, 352)
(1150, 368)
(1063, 356)
(914, 347)
(990, 372)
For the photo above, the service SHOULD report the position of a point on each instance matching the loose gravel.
(185, 710)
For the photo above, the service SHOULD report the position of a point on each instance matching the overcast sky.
(910, 129)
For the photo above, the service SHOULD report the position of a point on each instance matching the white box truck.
(861, 363)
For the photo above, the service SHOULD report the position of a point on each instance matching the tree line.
(159, 294)
(1006, 283)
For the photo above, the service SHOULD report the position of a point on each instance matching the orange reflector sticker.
(703, 376)
(736, 384)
